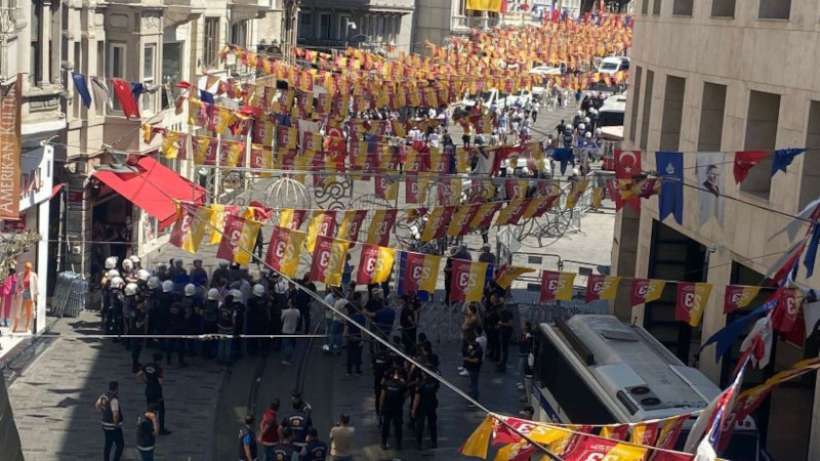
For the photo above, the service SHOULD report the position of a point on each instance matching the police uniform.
(315, 450)
(428, 404)
(381, 363)
(153, 374)
(299, 423)
(393, 390)
(282, 451)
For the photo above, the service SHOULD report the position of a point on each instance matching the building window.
(723, 8)
(672, 113)
(656, 8)
(647, 108)
(211, 42)
(761, 134)
(380, 29)
(239, 33)
(325, 32)
(36, 69)
(345, 30)
(636, 97)
(305, 24)
(682, 7)
(100, 58)
(810, 175)
(712, 109)
(149, 76)
(645, 7)
(774, 9)
(116, 65)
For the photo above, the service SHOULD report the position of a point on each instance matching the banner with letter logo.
(284, 250)
(375, 265)
(556, 286)
(691, 300)
(467, 281)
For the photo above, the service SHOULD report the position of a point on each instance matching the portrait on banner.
(709, 170)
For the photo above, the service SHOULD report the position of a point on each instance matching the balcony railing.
(461, 23)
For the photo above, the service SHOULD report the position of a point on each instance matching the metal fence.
(70, 295)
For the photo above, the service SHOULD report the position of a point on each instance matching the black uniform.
(137, 326)
(283, 451)
(394, 390)
(505, 332)
(493, 336)
(153, 374)
(381, 364)
(315, 450)
(428, 404)
(258, 321)
(210, 315)
(299, 423)
(247, 438)
(176, 326)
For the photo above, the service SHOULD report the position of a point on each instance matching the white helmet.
(127, 265)
(582, 127)
(131, 289)
(593, 110)
(580, 113)
(135, 259)
(167, 286)
(258, 290)
(190, 289)
(153, 282)
(143, 275)
(213, 294)
(588, 134)
(112, 273)
(111, 262)
(223, 264)
(587, 120)
(117, 283)
(237, 295)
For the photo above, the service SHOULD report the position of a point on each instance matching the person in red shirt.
(269, 429)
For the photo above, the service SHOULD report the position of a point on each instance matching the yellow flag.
(478, 443)
(578, 188)
(290, 262)
(610, 288)
(338, 255)
(433, 223)
(190, 227)
(218, 216)
(654, 290)
(321, 223)
(384, 265)
(507, 274)
(459, 223)
(462, 160)
(247, 241)
(170, 145)
(224, 118)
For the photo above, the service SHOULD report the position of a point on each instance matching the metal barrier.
(69, 295)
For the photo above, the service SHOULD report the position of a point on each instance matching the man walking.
(269, 430)
(341, 440)
(152, 375)
(392, 402)
(247, 441)
(109, 406)
(290, 322)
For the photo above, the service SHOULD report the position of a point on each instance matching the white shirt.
(290, 320)
(330, 300)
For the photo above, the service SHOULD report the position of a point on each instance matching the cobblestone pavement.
(53, 399)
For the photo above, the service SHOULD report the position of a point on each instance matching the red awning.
(56, 189)
(153, 188)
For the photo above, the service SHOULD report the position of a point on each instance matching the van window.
(608, 118)
(609, 66)
(555, 373)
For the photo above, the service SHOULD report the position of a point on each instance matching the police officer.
(381, 365)
(138, 326)
(113, 318)
(247, 441)
(176, 327)
(153, 375)
(112, 417)
(299, 422)
(220, 275)
(225, 326)
(239, 321)
(258, 320)
(315, 450)
(425, 405)
(210, 316)
(283, 449)
(162, 318)
(392, 402)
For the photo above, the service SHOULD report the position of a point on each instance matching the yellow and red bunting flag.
(418, 272)
(512, 213)
(615, 431)
(603, 287)
(261, 158)
(239, 239)
(233, 153)
(387, 187)
(477, 445)
(219, 213)
(516, 188)
(398, 129)
(690, 302)
(381, 225)
(224, 118)
(328, 261)
(467, 280)
(321, 223)
(646, 290)
(196, 109)
(556, 286)
(171, 144)
(460, 221)
(670, 430)
(579, 186)
(284, 250)
(190, 225)
(204, 150)
(738, 297)
(645, 433)
(462, 160)
(483, 218)
(291, 219)
(350, 225)
(586, 447)
(540, 204)
(411, 189)
(437, 222)
(506, 274)
(375, 264)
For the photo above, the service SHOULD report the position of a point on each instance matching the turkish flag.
(745, 161)
(627, 163)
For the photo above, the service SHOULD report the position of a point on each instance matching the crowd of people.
(181, 313)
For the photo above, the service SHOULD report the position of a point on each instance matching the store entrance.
(111, 232)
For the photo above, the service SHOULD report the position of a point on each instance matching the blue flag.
(811, 251)
(564, 156)
(206, 97)
(728, 335)
(670, 169)
(82, 88)
(137, 89)
(783, 158)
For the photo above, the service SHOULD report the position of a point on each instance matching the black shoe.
(165, 432)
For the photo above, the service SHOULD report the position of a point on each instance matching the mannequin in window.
(7, 290)
(28, 282)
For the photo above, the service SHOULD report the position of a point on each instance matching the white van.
(613, 65)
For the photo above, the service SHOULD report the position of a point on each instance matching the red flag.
(467, 280)
(321, 258)
(784, 317)
(122, 91)
(745, 161)
(556, 286)
(627, 163)
(239, 236)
